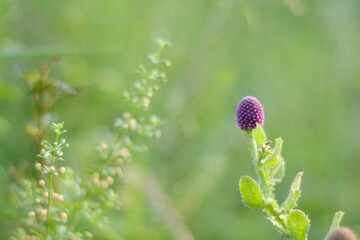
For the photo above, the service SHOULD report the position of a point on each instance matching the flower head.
(342, 233)
(249, 113)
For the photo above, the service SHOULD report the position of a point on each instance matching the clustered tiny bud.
(95, 179)
(132, 123)
(249, 113)
(45, 194)
(38, 166)
(31, 214)
(109, 180)
(124, 152)
(63, 216)
(55, 195)
(342, 233)
(59, 153)
(104, 184)
(42, 212)
(126, 115)
(62, 170)
(60, 198)
(145, 102)
(52, 169)
(103, 146)
(41, 182)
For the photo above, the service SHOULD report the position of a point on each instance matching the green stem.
(272, 212)
(48, 206)
(50, 187)
(253, 148)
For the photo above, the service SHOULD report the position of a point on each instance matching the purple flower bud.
(249, 113)
(342, 233)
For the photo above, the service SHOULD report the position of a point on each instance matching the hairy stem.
(271, 208)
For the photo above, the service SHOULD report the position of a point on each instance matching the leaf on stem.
(274, 164)
(336, 221)
(294, 193)
(251, 193)
(273, 159)
(279, 172)
(259, 135)
(298, 224)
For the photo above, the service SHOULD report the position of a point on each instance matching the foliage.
(291, 223)
(84, 202)
(300, 57)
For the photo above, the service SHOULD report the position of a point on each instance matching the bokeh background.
(301, 58)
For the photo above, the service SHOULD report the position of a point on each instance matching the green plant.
(290, 222)
(71, 206)
(101, 186)
(46, 205)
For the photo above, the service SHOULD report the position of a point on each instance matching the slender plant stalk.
(50, 187)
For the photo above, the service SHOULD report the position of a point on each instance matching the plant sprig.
(290, 222)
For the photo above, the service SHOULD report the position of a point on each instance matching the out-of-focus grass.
(300, 58)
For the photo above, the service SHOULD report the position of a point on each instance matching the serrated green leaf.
(259, 135)
(294, 193)
(336, 221)
(298, 224)
(252, 195)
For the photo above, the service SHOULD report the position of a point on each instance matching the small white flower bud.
(63, 216)
(31, 214)
(55, 196)
(62, 169)
(59, 153)
(42, 212)
(124, 152)
(103, 146)
(132, 123)
(145, 102)
(45, 194)
(126, 115)
(109, 180)
(61, 198)
(95, 178)
(56, 174)
(38, 166)
(52, 169)
(41, 182)
(104, 184)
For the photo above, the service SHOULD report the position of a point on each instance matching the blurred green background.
(300, 58)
